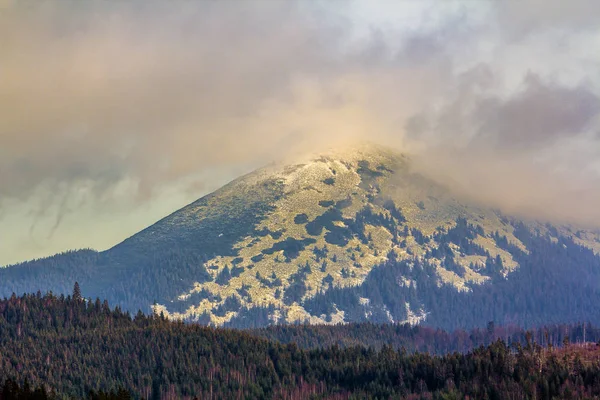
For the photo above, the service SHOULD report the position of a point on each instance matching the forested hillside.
(557, 282)
(69, 346)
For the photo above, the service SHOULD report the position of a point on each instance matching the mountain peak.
(322, 221)
(347, 234)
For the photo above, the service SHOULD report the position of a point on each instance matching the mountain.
(349, 235)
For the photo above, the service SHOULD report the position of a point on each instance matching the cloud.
(533, 152)
(106, 101)
(537, 115)
(115, 90)
(532, 16)
(100, 104)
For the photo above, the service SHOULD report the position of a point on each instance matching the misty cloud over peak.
(131, 109)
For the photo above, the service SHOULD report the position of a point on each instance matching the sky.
(113, 114)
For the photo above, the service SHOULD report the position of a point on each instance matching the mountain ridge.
(270, 245)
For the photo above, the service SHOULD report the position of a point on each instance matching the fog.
(113, 114)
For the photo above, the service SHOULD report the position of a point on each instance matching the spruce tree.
(76, 292)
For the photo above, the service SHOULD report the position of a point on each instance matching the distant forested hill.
(424, 339)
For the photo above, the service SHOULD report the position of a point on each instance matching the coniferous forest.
(69, 347)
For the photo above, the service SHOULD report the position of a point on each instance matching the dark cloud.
(536, 116)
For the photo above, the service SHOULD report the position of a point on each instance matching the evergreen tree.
(77, 292)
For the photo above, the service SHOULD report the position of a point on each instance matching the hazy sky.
(116, 113)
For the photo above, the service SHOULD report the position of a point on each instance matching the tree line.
(70, 347)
